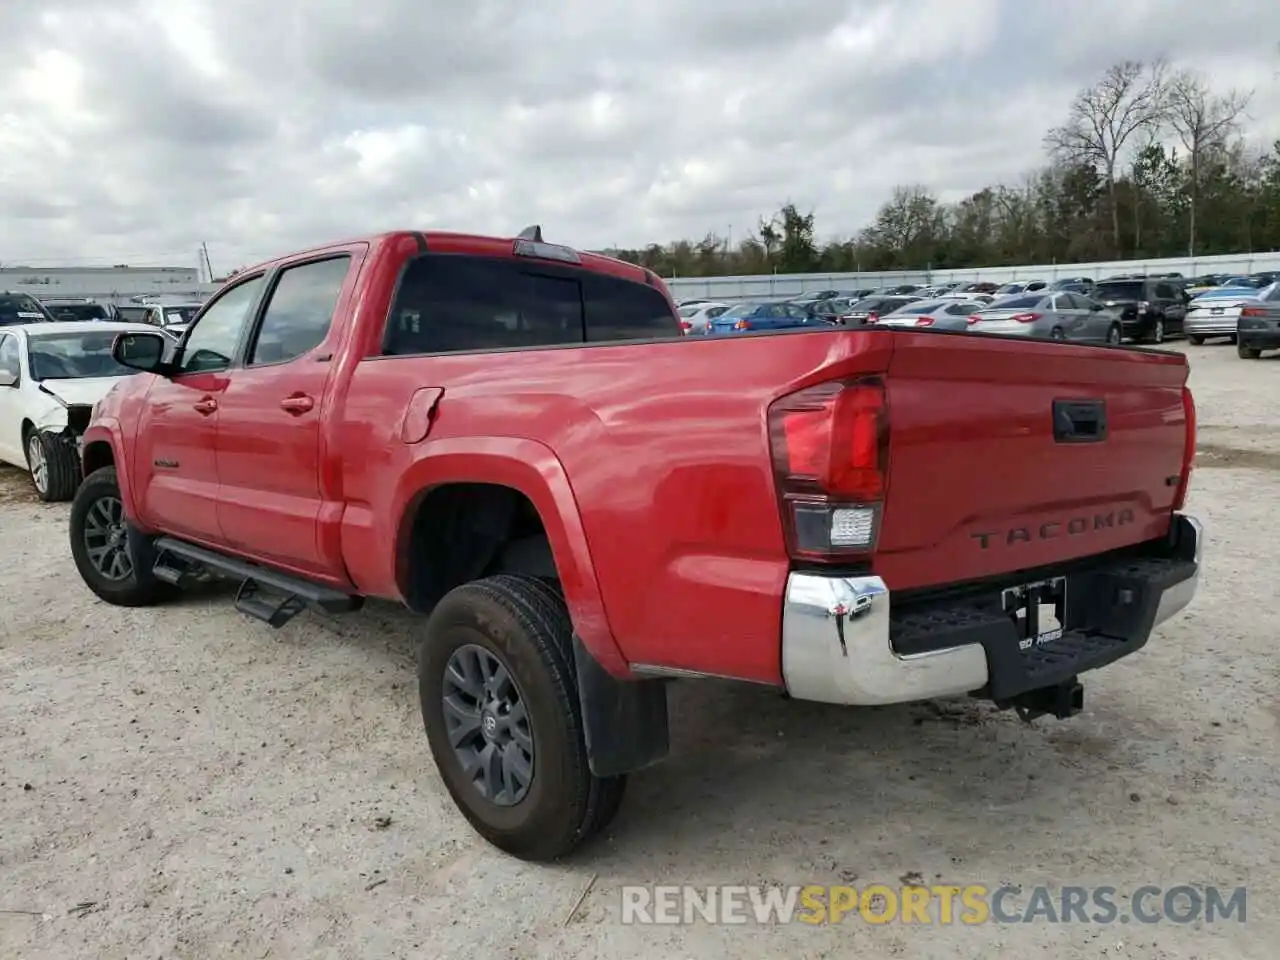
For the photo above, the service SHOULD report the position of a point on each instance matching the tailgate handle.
(1079, 421)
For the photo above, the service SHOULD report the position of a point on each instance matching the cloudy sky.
(132, 130)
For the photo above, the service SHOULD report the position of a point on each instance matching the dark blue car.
(750, 317)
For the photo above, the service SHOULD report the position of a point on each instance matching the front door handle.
(206, 405)
(296, 404)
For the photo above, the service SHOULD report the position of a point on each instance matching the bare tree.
(1129, 98)
(1203, 121)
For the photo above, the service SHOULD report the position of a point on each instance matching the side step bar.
(265, 594)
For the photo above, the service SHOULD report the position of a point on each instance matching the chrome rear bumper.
(836, 639)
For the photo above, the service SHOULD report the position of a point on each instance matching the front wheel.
(54, 466)
(1195, 339)
(1115, 335)
(115, 560)
(1157, 332)
(499, 696)
(1247, 353)
(1057, 333)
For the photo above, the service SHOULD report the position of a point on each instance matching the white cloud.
(132, 130)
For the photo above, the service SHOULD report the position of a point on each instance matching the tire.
(1157, 332)
(1057, 334)
(1247, 353)
(97, 514)
(54, 465)
(520, 623)
(1195, 339)
(1115, 335)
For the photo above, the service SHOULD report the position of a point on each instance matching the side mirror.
(8, 378)
(140, 351)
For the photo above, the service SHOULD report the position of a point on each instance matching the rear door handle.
(206, 405)
(297, 403)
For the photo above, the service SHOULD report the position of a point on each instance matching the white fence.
(790, 284)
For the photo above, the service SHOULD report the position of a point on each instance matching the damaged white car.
(51, 375)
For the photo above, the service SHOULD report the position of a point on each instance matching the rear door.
(980, 485)
(1081, 318)
(1095, 321)
(1172, 306)
(269, 417)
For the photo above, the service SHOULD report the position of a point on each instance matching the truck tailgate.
(979, 485)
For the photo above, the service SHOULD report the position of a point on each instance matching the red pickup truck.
(512, 438)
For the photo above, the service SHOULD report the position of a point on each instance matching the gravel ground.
(183, 782)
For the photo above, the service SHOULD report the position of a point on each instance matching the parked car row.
(1245, 315)
(170, 315)
(52, 372)
(1147, 308)
(55, 363)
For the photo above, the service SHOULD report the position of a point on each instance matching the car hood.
(86, 390)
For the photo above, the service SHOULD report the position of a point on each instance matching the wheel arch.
(102, 448)
(527, 470)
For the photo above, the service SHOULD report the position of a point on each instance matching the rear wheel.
(498, 690)
(115, 560)
(1157, 332)
(1057, 333)
(54, 466)
(1195, 339)
(1247, 353)
(1115, 334)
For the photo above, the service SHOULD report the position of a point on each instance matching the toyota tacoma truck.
(513, 439)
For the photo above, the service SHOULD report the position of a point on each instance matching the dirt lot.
(183, 782)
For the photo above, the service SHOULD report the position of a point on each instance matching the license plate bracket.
(1038, 611)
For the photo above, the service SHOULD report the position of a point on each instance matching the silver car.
(1062, 315)
(1215, 312)
(694, 316)
(940, 314)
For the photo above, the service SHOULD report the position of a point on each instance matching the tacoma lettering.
(1053, 529)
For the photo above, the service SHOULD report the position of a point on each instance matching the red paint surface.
(649, 462)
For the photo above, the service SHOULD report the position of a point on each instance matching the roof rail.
(533, 233)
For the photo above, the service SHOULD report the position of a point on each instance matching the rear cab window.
(16, 308)
(299, 310)
(80, 311)
(1020, 303)
(451, 302)
(1121, 290)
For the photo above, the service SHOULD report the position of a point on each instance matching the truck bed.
(666, 445)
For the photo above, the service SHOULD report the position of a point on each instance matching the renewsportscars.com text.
(968, 905)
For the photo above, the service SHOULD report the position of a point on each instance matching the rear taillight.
(1026, 317)
(742, 325)
(1143, 306)
(1189, 451)
(1253, 312)
(830, 447)
(685, 326)
(872, 317)
(974, 318)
